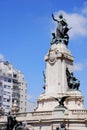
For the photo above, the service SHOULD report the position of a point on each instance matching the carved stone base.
(75, 101)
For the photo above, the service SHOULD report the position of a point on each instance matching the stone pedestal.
(57, 60)
(75, 100)
(59, 112)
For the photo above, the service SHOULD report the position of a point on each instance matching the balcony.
(16, 89)
(7, 75)
(6, 103)
(16, 96)
(7, 90)
(15, 82)
(6, 96)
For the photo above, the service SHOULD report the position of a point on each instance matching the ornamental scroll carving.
(53, 55)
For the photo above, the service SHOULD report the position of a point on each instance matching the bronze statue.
(13, 124)
(61, 30)
(61, 127)
(61, 101)
(72, 81)
(9, 121)
(44, 77)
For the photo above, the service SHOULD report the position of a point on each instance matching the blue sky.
(25, 34)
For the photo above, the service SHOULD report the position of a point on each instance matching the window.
(7, 106)
(5, 86)
(0, 97)
(9, 80)
(15, 75)
(8, 100)
(9, 86)
(5, 79)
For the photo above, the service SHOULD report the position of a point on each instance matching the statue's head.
(9, 113)
(60, 16)
(62, 125)
(71, 73)
(14, 117)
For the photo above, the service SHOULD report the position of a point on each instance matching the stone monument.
(59, 78)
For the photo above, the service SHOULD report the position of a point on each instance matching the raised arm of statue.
(54, 18)
(60, 34)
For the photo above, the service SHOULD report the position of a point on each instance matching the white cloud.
(78, 22)
(1, 57)
(84, 9)
(78, 67)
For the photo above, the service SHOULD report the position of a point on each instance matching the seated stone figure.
(73, 82)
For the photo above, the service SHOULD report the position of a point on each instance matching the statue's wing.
(64, 98)
(57, 99)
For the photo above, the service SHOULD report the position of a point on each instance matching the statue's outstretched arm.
(54, 18)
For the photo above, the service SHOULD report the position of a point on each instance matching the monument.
(59, 78)
(61, 106)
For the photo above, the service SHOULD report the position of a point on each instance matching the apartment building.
(12, 87)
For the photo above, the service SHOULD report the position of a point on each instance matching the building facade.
(12, 87)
